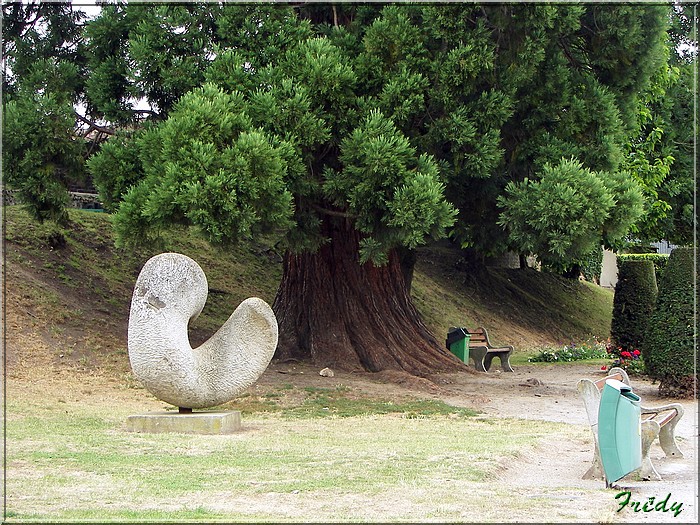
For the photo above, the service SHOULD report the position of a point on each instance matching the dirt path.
(549, 393)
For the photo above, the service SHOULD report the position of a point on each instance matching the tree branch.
(333, 213)
(93, 126)
(570, 57)
(147, 112)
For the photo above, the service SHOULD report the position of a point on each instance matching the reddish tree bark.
(338, 313)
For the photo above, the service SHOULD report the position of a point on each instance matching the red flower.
(626, 354)
(603, 367)
(636, 353)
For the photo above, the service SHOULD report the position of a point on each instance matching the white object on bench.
(655, 424)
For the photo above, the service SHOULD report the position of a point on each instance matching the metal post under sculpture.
(170, 292)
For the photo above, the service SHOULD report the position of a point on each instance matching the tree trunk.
(574, 272)
(337, 313)
(523, 261)
(407, 260)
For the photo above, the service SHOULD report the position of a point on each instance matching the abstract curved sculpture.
(171, 291)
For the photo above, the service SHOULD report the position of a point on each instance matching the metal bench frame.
(482, 351)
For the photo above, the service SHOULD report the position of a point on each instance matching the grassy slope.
(72, 301)
(525, 308)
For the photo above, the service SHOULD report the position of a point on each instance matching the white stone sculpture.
(170, 292)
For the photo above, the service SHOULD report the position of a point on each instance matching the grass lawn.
(305, 454)
(74, 462)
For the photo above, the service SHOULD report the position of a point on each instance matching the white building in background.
(608, 272)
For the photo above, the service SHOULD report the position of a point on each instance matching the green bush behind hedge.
(660, 261)
(592, 265)
(633, 303)
(668, 347)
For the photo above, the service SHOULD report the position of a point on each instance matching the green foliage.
(475, 104)
(562, 216)
(396, 197)
(592, 349)
(627, 209)
(669, 344)
(661, 154)
(159, 52)
(624, 36)
(110, 85)
(677, 189)
(115, 170)
(635, 296)
(491, 94)
(592, 264)
(169, 49)
(328, 147)
(40, 153)
(580, 103)
(212, 170)
(651, 156)
(35, 34)
(274, 28)
(660, 261)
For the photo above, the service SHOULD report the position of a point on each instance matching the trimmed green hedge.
(633, 303)
(660, 261)
(668, 348)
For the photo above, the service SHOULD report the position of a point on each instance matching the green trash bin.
(457, 342)
(619, 430)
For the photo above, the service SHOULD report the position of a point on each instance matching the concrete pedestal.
(189, 423)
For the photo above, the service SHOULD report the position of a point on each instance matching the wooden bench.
(656, 422)
(482, 351)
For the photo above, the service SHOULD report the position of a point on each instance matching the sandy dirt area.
(549, 393)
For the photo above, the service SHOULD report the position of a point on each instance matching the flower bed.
(629, 360)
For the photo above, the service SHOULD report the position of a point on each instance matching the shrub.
(633, 303)
(592, 265)
(668, 347)
(629, 360)
(593, 349)
(659, 259)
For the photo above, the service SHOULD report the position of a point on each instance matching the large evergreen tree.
(358, 131)
(661, 155)
(299, 143)
(580, 104)
(669, 120)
